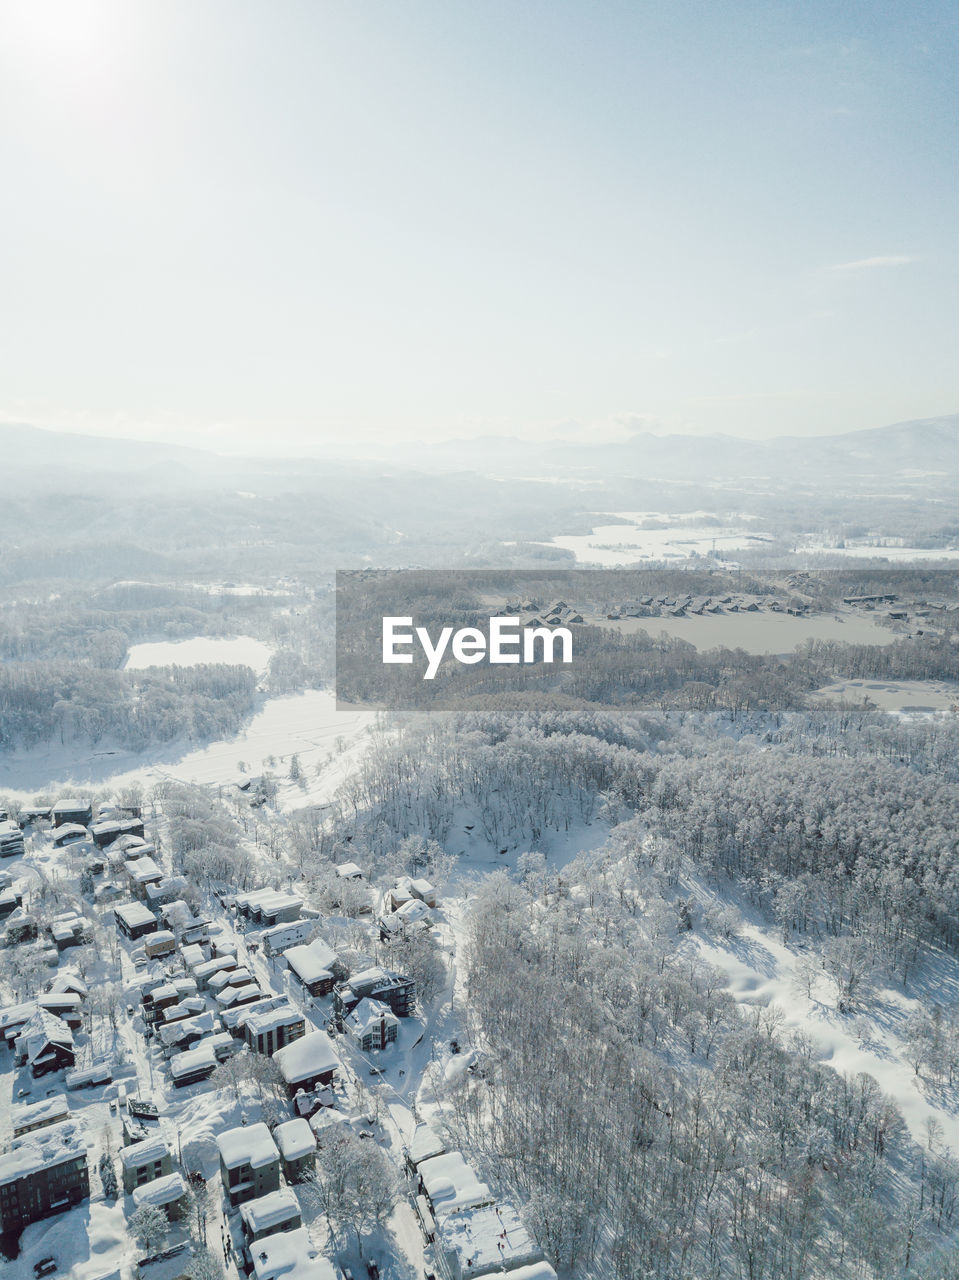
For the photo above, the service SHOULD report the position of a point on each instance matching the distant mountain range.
(926, 449)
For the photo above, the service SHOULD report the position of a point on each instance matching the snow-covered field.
(237, 650)
(901, 697)
(610, 545)
(776, 633)
(326, 741)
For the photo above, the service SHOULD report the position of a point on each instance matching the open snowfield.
(774, 633)
(327, 742)
(901, 697)
(237, 650)
(610, 545)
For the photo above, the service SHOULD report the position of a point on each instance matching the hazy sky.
(262, 224)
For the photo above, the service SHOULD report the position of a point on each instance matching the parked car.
(45, 1267)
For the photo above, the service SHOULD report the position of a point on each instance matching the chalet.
(10, 901)
(160, 943)
(270, 1030)
(158, 893)
(184, 1033)
(424, 1145)
(235, 1019)
(73, 811)
(192, 954)
(266, 1215)
(140, 873)
(135, 920)
(168, 1193)
(45, 1044)
(297, 1146)
(106, 832)
(349, 871)
(194, 1065)
(412, 917)
(205, 971)
(35, 813)
(487, 1239)
(307, 1062)
(408, 888)
(157, 1000)
(42, 1174)
(69, 930)
(232, 996)
(394, 989)
(290, 1255)
(249, 1162)
(67, 1005)
(69, 833)
(69, 982)
(371, 1025)
(281, 936)
(28, 1116)
(315, 966)
(186, 1007)
(11, 840)
(144, 1161)
(270, 907)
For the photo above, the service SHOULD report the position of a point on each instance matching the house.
(144, 1161)
(349, 871)
(11, 840)
(142, 872)
(266, 1215)
(271, 1029)
(135, 920)
(371, 1025)
(168, 1193)
(194, 1065)
(489, 1238)
(183, 1033)
(159, 893)
(69, 930)
(105, 832)
(205, 971)
(159, 999)
(249, 1162)
(42, 1174)
(69, 833)
(34, 813)
(424, 1144)
(307, 1062)
(69, 982)
(408, 888)
(45, 1044)
(235, 1018)
(29, 1116)
(160, 943)
(297, 1146)
(412, 917)
(315, 966)
(231, 996)
(276, 940)
(270, 907)
(73, 811)
(394, 989)
(10, 901)
(66, 1005)
(290, 1255)
(238, 976)
(450, 1185)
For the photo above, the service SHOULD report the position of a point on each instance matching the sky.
(276, 226)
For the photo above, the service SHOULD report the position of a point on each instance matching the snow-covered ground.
(327, 742)
(610, 545)
(901, 697)
(235, 650)
(763, 632)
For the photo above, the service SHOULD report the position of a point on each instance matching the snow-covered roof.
(134, 914)
(228, 978)
(160, 1191)
(209, 967)
(195, 1059)
(68, 831)
(328, 1118)
(238, 994)
(46, 1111)
(192, 955)
(290, 1255)
(250, 1144)
(173, 1033)
(535, 1271)
(68, 982)
(312, 961)
(425, 1143)
(268, 1213)
(146, 1152)
(349, 871)
(240, 1017)
(311, 1055)
(367, 1014)
(43, 1029)
(142, 869)
(295, 1139)
(270, 1019)
(41, 1149)
(452, 1185)
(493, 1236)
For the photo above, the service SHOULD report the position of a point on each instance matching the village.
(192, 1093)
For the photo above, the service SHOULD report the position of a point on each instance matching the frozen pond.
(699, 533)
(238, 650)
